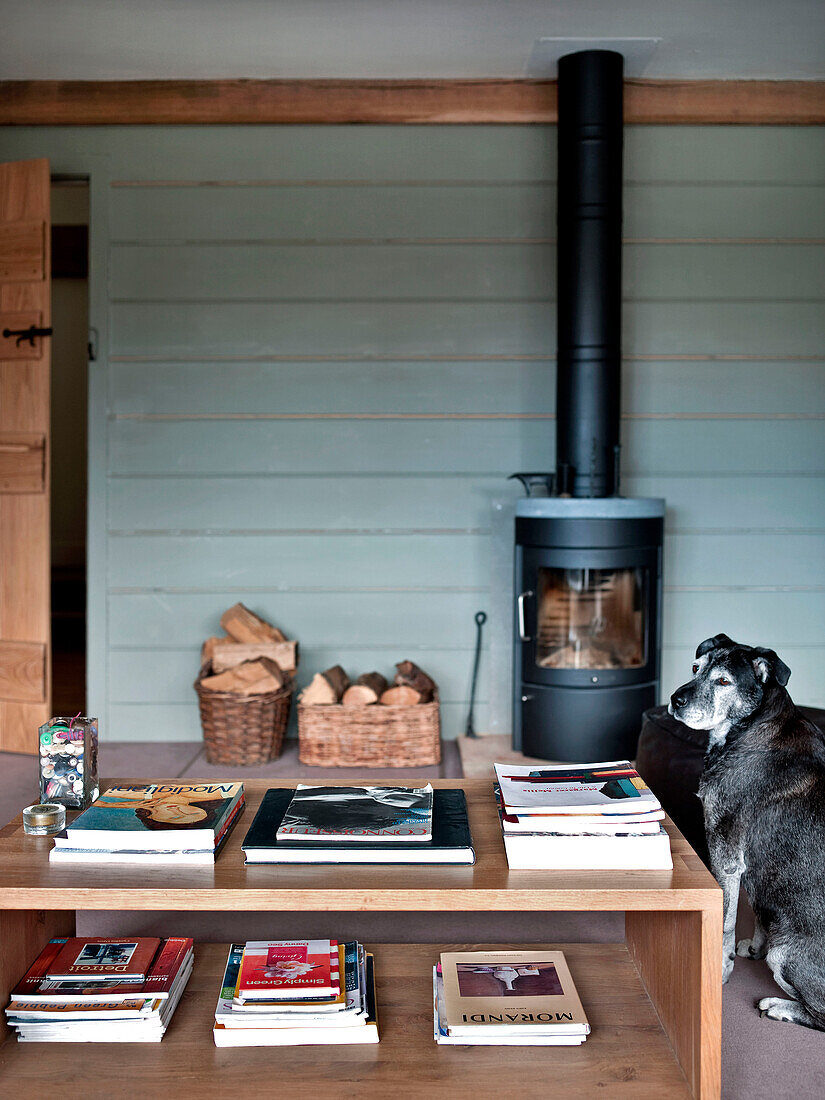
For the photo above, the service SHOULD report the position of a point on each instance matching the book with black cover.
(451, 841)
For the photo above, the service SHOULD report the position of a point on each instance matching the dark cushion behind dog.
(670, 758)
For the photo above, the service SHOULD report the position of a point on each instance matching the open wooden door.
(25, 307)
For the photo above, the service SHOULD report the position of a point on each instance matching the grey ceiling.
(142, 39)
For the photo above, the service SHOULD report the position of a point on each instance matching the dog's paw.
(779, 1008)
(727, 967)
(746, 950)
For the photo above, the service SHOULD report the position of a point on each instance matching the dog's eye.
(723, 680)
(695, 669)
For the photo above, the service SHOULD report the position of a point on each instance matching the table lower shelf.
(627, 1054)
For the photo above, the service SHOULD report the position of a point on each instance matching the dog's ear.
(718, 641)
(768, 666)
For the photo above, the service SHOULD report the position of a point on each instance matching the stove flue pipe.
(589, 273)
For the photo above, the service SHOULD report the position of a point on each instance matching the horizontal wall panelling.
(331, 210)
(262, 503)
(430, 446)
(714, 387)
(453, 271)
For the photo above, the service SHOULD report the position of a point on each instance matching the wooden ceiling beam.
(181, 102)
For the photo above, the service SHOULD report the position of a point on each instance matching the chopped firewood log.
(410, 675)
(245, 626)
(326, 688)
(250, 678)
(402, 696)
(227, 653)
(367, 689)
(208, 650)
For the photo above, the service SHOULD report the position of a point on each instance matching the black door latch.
(24, 334)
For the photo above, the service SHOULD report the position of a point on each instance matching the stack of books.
(101, 990)
(177, 824)
(360, 825)
(296, 993)
(506, 998)
(588, 817)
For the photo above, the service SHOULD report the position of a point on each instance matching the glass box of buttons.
(68, 761)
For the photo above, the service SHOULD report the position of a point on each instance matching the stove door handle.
(521, 629)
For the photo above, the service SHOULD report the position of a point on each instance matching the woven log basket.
(242, 729)
(374, 736)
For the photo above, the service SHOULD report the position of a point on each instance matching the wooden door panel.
(22, 463)
(22, 251)
(25, 299)
(24, 612)
(22, 672)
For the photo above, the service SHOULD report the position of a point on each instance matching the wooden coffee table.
(654, 1002)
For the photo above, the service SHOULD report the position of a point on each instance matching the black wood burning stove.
(588, 562)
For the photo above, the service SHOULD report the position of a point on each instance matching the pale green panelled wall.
(322, 350)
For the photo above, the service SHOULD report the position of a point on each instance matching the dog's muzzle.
(678, 701)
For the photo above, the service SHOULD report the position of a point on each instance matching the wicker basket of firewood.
(244, 690)
(368, 724)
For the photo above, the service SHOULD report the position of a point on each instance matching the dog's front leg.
(757, 946)
(727, 870)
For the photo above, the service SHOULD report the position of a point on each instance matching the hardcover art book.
(600, 789)
(95, 959)
(330, 814)
(167, 817)
(510, 994)
(451, 840)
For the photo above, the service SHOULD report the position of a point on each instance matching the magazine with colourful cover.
(576, 824)
(172, 959)
(289, 969)
(157, 816)
(276, 1003)
(95, 958)
(329, 814)
(614, 787)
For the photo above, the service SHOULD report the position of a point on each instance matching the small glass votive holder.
(44, 819)
(68, 761)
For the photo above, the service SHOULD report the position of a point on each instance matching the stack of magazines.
(296, 993)
(506, 998)
(360, 825)
(585, 817)
(166, 824)
(101, 990)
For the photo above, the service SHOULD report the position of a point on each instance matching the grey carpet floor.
(760, 1058)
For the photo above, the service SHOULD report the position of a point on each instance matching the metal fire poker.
(480, 620)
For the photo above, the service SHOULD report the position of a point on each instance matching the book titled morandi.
(517, 994)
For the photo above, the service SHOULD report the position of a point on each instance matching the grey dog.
(763, 792)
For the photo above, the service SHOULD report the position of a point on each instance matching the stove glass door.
(591, 618)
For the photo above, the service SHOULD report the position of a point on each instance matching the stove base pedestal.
(575, 725)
